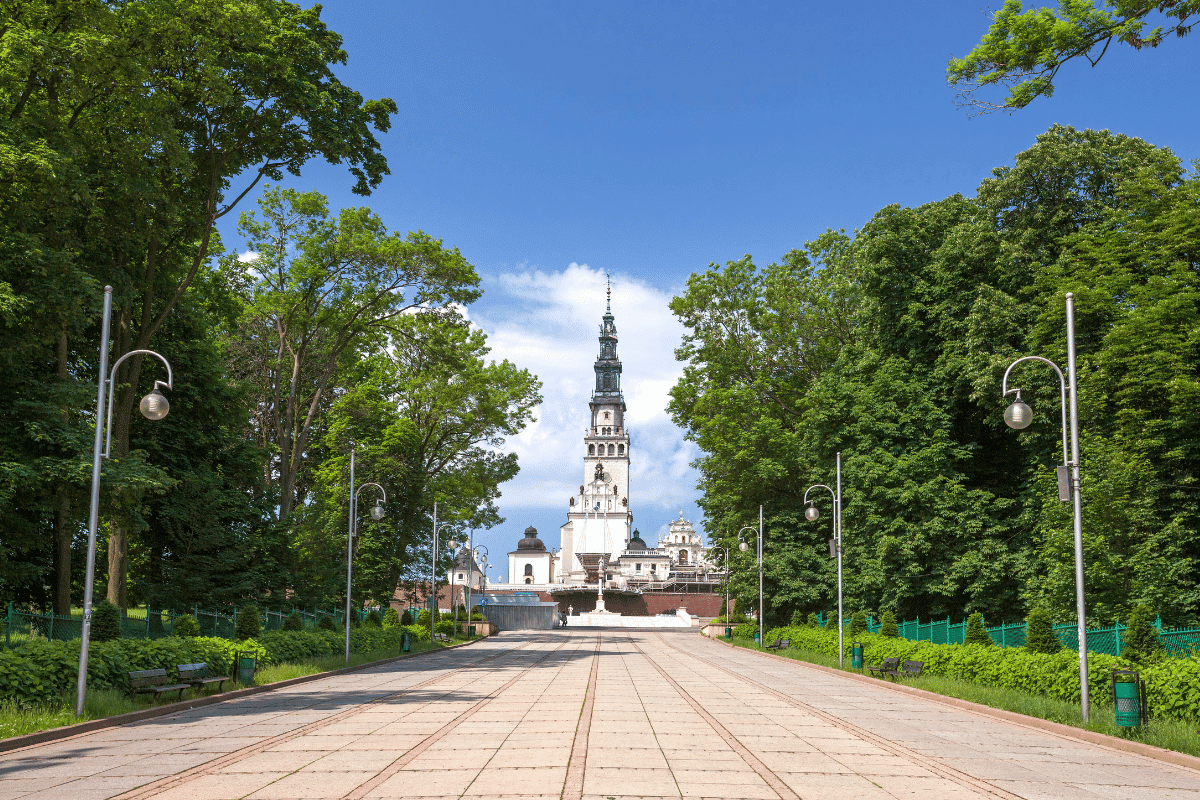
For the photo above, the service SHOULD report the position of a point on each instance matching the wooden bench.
(910, 669)
(441, 637)
(780, 644)
(886, 668)
(197, 675)
(156, 681)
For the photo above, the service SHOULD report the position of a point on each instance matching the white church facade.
(598, 541)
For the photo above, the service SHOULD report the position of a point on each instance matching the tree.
(1024, 50)
(1039, 632)
(975, 633)
(317, 289)
(858, 623)
(1141, 638)
(889, 628)
(249, 624)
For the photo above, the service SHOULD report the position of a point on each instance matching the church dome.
(531, 541)
(636, 542)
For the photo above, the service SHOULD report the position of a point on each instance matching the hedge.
(42, 672)
(1172, 684)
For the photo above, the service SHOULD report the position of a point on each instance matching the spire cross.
(608, 276)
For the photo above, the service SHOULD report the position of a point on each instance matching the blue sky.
(551, 142)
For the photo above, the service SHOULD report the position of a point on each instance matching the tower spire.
(608, 308)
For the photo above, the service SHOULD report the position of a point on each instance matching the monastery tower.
(599, 520)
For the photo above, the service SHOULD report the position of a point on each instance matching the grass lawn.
(1169, 734)
(101, 703)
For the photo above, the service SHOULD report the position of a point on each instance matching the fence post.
(1117, 631)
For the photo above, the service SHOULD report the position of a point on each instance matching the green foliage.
(106, 622)
(797, 618)
(831, 622)
(374, 620)
(391, 618)
(1142, 644)
(813, 620)
(975, 633)
(1023, 50)
(1039, 633)
(407, 618)
(858, 623)
(747, 630)
(325, 623)
(445, 627)
(1170, 682)
(249, 622)
(888, 627)
(423, 617)
(293, 622)
(185, 627)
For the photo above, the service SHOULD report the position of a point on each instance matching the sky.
(555, 143)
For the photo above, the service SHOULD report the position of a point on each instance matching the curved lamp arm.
(1062, 388)
(112, 374)
(832, 493)
(365, 485)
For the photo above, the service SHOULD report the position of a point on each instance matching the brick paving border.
(1057, 728)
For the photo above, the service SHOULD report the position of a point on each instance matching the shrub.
(858, 623)
(185, 627)
(423, 617)
(293, 622)
(1141, 639)
(374, 620)
(975, 633)
(889, 628)
(325, 623)
(445, 627)
(797, 618)
(1039, 633)
(813, 620)
(106, 622)
(249, 624)
(746, 630)
(831, 624)
(405, 619)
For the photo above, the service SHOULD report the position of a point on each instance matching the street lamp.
(471, 571)
(724, 550)
(1019, 416)
(376, 514)
(433, 572)
(811, 514)
(742, 546)
(153, 406)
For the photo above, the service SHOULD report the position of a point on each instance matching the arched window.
(620, 449)
(612, 450)
(529, 580)
(591, 449)
(683, 556)
(529, 569)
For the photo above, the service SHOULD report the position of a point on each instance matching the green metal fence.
(21, 625)
(1108, 639)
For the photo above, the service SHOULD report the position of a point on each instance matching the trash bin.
(856, 655)
(1129, 698)
(470, 630)
(406, 643)
(756, 637)
(247, 663)
(728, 632)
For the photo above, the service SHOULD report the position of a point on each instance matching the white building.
(531, 563)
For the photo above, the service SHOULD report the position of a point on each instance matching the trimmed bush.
(423, 617)
(1039, 633)
(405, 619)
(858, 623)
(106, 622)
(1141, 639)
(445, 627)
(293, 622)
(813, 620)
(185, 627)
(391, 619)
(797, 618)
(249, 624)
(374, 620)
(889, 628)
(831, 624)
(1170, 682)
(325, 623)
(975, 633)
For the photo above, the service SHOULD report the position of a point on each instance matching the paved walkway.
(577, 713)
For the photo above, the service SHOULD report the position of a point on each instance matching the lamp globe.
(1018, 415)
(154, 405)
(811, 514)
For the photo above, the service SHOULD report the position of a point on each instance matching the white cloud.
(548, 323)
(247, 256)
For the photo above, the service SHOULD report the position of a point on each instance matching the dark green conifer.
(1039, 633)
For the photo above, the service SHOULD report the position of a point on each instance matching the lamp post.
(453, 545)
(376, 514)
(153, 406)
(1019, 416)
(743, 547)
(471, 571)
(811, 514)
(724, 550)
(433, 572)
